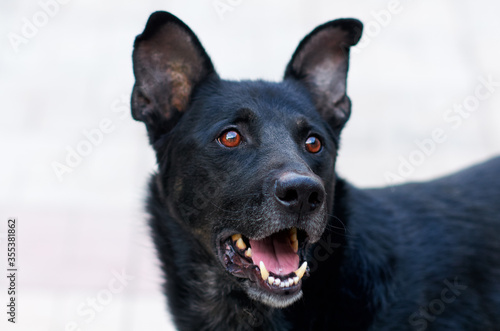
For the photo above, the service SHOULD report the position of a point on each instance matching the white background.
(76, 70)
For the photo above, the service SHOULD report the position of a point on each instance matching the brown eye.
(313, 144)
(230, 138)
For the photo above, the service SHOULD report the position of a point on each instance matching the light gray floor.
(76, 72)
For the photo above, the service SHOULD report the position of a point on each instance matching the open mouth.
(275, 264)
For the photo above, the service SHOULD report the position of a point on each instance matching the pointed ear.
(321, 62)
(169, 62)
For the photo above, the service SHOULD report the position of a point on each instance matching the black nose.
(299, 193)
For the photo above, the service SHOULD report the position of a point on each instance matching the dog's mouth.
(275, 264)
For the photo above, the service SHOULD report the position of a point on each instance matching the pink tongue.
(276, 252)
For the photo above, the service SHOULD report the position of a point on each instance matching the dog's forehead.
(257, 100)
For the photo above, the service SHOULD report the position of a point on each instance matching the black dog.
(255, 231)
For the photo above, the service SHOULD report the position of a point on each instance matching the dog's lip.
(241, 266)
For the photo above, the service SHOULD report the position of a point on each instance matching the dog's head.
(246, 167)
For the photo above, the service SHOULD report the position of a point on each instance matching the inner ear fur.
(169, 62)
(321, 62)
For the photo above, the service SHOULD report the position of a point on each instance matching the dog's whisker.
(340, 221)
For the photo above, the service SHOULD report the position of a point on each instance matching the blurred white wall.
(74, 73)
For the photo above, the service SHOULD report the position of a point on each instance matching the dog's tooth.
(277, 282)
(270, 280)
(287, 283)
(235, 237)
(282, 284)
(296, 280)
(300, 271)
(293, 239)
(241, 244)
(263, 271)
(248, 252)
(290, 281)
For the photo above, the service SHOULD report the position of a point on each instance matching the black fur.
(420, 256)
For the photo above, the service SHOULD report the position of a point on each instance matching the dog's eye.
(230, 138)
(313, 144)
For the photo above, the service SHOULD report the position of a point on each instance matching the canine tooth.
(277, 282)
(241, 244)
(248, 252)
(270, 280)
(296, 280)
(295, 246)
(235, 237)
(263, 271)
(300, 271)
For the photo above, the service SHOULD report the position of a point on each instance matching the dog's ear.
(169, 62)
(321, 62)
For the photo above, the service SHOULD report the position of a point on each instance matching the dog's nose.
(299, 193)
